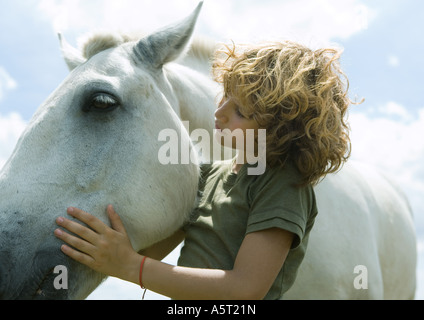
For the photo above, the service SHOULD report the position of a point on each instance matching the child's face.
(228, 119)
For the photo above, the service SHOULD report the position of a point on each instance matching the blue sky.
(382, 45)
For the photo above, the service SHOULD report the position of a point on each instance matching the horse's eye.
(102, 102)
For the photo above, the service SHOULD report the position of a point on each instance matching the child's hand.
(103, 249)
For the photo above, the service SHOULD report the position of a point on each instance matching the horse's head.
(94, 141)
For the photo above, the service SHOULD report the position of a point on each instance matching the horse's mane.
(199, 54)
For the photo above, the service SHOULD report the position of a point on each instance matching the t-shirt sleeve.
(277, 202)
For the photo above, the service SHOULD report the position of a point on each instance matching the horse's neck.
(196, 94)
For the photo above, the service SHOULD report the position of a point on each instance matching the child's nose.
(220, 113)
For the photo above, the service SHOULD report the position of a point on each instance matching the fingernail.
(70, 210)
(60, 220)
(58, 232)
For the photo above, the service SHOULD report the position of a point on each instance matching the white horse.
(95, 141)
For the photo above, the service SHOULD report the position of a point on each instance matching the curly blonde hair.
(299, 95)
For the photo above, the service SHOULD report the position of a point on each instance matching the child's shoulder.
(288, 170)
(287, 175)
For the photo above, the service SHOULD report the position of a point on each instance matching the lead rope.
(144, 293)
(141, 277)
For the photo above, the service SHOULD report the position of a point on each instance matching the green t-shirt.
(233, 205)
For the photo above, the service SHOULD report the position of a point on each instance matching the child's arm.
(258, 263)
(109, 251)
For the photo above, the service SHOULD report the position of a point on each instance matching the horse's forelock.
(94, 43)
(97, 42)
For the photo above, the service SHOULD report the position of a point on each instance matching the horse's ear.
(72, 56)
(169, 43)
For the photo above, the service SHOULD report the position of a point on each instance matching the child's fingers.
(79, 244)
(78, 229)
(115, 220)
(90, 220)
(78, 256)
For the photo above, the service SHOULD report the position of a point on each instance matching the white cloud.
(11, 128)
(240, 20)
(393, 60)
(393, 143)
(68, 15)
(317, 21)
(6, 82)
(395, 110)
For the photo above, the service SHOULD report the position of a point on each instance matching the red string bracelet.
(141, 272)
